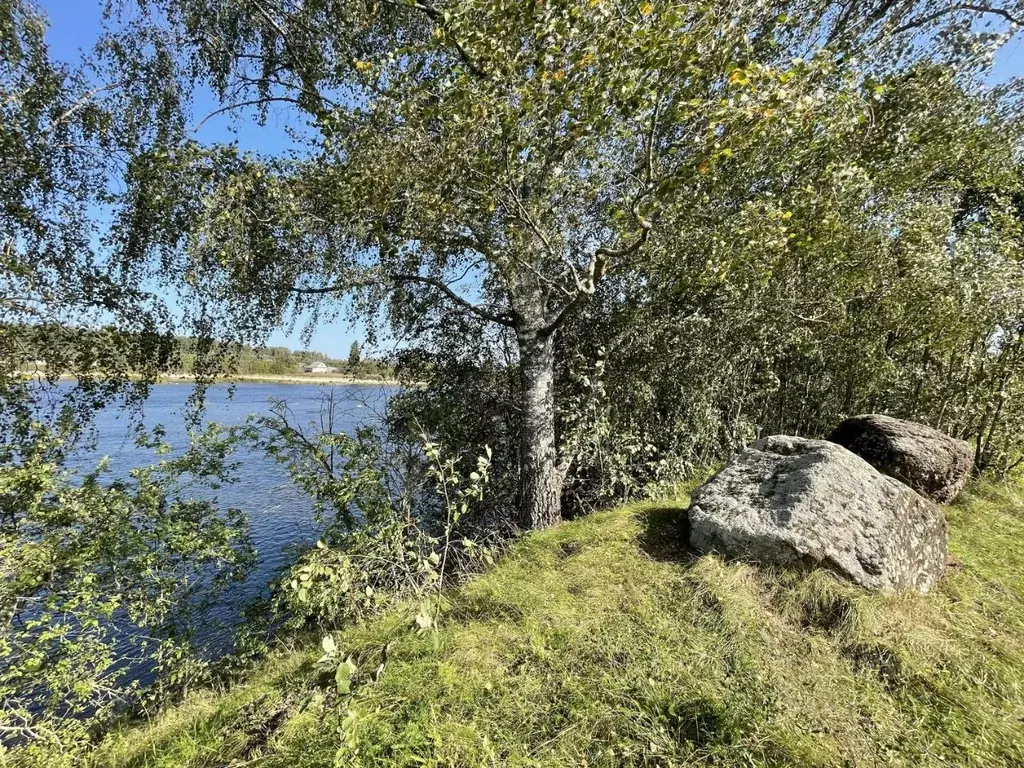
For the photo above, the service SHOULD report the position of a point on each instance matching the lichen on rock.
(793, 501)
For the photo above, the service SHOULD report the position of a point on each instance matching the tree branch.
(247, 103)
(630, 248)
(560, 317)
(842, 23)
(437, 17)
(506, 317)
(297, 65)
(599, 264)
(922, 20)
(81, 103)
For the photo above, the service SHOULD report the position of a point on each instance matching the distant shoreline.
(287, 378)
(245, 378)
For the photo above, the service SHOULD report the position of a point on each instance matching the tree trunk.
(540, 480)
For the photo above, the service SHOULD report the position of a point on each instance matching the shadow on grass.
(231, 729)
(665, 533)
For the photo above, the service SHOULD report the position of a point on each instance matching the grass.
(602, 643)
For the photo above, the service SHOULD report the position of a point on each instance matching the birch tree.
(492, 158)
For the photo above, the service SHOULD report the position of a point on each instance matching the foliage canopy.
(501, 161)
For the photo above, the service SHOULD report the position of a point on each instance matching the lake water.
(280, 516)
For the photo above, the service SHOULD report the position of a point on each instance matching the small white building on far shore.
(318, 366)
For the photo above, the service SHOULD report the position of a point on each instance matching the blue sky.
(1010, 61)
(74, 26)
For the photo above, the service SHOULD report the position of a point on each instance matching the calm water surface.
(280, 516)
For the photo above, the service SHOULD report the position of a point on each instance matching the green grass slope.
(600, 643)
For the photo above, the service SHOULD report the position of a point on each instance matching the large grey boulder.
(932, 463)
(793, 501)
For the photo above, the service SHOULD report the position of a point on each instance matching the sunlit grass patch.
(603, 642)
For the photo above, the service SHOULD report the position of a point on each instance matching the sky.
(75, 25)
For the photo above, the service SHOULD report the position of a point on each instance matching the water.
(280, 515)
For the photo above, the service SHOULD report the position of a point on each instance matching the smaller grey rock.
(932, 463)
(793, 501)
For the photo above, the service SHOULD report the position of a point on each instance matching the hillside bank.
(603, 643)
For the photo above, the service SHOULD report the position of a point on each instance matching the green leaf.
(343, 675)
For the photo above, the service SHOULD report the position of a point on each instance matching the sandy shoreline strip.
(290, 378)
(244, 378)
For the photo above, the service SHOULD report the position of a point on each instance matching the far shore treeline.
(62, 356)
(282, 361)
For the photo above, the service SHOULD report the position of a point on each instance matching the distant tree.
(354, 355)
